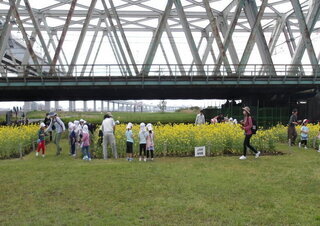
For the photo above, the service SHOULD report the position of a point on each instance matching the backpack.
(254, 127)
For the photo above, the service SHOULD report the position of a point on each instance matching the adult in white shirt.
(200, 118)
(108, 128)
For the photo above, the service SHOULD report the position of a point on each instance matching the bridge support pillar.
(102, 105)
(108, 106)
(95, 106)
(56, 105)
(47, 106)
(85, 106)
(113, 106)
(27, 106)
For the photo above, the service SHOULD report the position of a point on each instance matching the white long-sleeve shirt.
(200, 119)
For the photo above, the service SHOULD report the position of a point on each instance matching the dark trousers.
(151, 153)
(246, 144)
(73, 148)
(142, 148)
(304, 142)
(292, 134)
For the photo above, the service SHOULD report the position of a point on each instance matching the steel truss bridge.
(191, 48)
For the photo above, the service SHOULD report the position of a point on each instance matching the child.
(85, 144)
(304, 134)
(317, 142)
(150, 141)
(73, 140)
(41, 139)
(143, 141)
(70, 130)
(129, 136)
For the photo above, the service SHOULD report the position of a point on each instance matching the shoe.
(258, 154)
(43, 156)
(85, 158)
(37, 153)
(140, 159)
(74, 155)
(89, 159)
(299, 144)
(319, 150)
(243, 157)
(151, 159)
(305, 147)
(145, 159)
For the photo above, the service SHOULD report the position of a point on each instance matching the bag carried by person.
(254, 126)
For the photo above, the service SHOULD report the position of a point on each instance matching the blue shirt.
(304, 135)
(129, 136)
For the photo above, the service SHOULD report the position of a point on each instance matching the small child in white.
(304, 134)
(150, 142)
(143, 134)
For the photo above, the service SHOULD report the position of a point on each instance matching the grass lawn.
(134, 117)
(271, 190)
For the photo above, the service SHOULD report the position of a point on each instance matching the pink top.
(150, 141)
(247, 125)
(85, 139)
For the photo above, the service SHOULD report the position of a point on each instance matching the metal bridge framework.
(219, 62)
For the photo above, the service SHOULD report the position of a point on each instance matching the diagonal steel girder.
(254, 30)
(124, 38)
(166, 58)
(306, 27)
(92, 43)
(6, 30)
(116, 37)
(228, 43)
(256, 35)
(208, 47)
(63, 35)
(81, 38)
(38, 31)
(156, 39)
(229, 47)
(190, 40)
(216, 34)
(25, 36)
(175, 50)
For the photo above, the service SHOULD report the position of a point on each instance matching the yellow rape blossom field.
(14, 138)
(170, 140)
(180, 139)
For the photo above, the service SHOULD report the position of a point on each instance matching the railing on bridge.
(97, 70)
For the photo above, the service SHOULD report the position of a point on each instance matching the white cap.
(85, 129)
(129, 125)
(149, 126)
(42, 125)
(81, 120)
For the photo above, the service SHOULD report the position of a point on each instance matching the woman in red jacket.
(246, 126)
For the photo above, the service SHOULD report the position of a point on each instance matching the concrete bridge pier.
(85, 106)
(47, 106)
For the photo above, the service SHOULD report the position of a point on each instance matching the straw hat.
(247, 109)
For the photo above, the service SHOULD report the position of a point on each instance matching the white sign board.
(200, 151)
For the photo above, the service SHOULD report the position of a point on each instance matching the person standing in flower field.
(85, 143)
(247, 127)
(304, 134)
(73, 139)
(59, 129)
(143, 134)
(108, 128)
(200, 119)
(150, 142)
(293, 121)
(129, 136)
(41, 139)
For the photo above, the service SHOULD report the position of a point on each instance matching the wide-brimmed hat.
(52, 113)
(42, 125)
(304, 121)
(129, 125)
(109, 114)
(247, 109)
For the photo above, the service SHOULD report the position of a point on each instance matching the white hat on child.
(129, 125)
(85, 129)
(42, 125)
